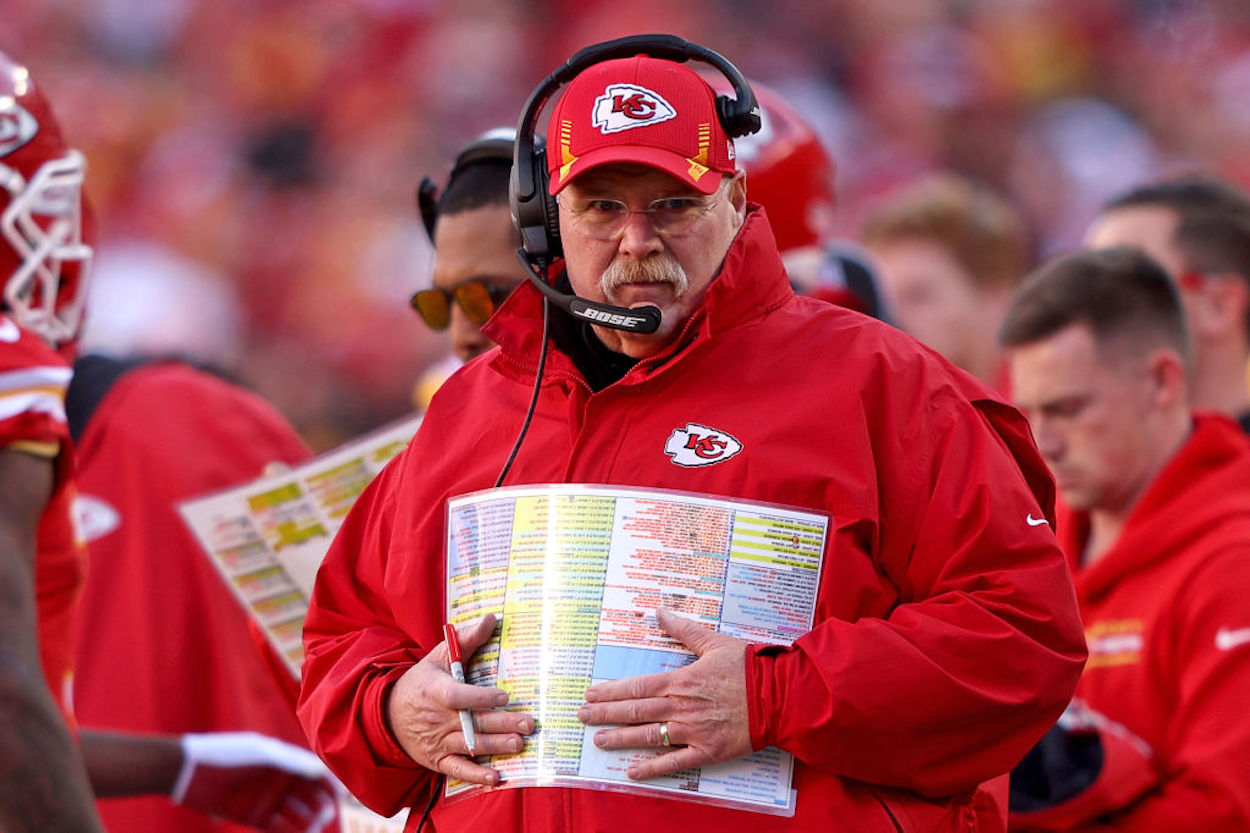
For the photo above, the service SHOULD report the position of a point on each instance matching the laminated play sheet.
(575, 574)
(268, 537)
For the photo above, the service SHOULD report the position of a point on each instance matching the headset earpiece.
(427, 205)
(737, 120)
(533, 209)
(493, 146)
(551, 211)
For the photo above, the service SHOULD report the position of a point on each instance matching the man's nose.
(639, 236)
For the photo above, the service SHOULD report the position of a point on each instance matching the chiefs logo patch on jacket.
(698, 445)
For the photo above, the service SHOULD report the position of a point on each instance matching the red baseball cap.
(643, 110)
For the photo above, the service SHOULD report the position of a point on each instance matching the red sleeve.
(1205, 786)
(354, 652)
(985, 647)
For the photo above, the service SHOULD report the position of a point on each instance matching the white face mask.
(42, 223)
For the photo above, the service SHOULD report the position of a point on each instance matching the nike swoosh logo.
(8, 331)
(1227, 640)
(1032, 521)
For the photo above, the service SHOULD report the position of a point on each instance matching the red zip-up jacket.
(947, 637)
(1168, 624)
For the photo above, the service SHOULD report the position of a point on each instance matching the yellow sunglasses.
(476, 298)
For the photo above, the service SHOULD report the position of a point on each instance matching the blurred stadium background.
(253, 162)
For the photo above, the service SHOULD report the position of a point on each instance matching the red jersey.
(33, 381)
(165, 646)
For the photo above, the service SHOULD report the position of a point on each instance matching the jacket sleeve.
(985, 646)
(354, 653)
(1202, 783)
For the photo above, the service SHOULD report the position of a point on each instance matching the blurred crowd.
(254, 162)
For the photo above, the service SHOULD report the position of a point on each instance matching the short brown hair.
(982, 231)
(1213, 222)
(1121, 294)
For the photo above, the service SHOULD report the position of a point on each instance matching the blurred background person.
(45, 248)
(1198, 228)
(163, 645)
(475, 243)
(950, 252)
(792, 174)
(1157, 524)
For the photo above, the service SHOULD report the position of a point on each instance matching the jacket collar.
(751, 282)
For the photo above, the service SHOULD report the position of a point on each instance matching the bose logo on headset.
(610, 318)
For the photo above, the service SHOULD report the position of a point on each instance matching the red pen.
(457, 673)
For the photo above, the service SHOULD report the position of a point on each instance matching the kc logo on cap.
(641, 111)
(626, 106)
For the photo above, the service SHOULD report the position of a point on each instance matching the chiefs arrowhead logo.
(95, 518)
(17, 126)
(698, 445)
(626, 106)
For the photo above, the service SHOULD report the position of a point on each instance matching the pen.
(457, 674)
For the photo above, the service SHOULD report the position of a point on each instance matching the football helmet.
(43, 253)
(790, 172)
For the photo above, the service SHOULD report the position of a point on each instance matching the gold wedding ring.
(664, 740)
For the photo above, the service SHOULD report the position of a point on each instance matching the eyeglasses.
(604, 219)
(476, 298)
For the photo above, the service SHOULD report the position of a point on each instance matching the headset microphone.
(645, 319)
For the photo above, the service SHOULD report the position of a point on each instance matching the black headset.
(494, 146)
(534, 210)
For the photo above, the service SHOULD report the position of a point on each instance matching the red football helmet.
(44, 257)
(789, 171)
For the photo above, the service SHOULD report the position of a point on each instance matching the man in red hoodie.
(1158, 524)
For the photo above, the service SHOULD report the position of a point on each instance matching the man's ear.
(737, 194)
(1230, 302)
(1169, 377)
(1219, 306)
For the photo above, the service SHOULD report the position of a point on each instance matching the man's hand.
(424, 713)
(703, 705)
(258, 781)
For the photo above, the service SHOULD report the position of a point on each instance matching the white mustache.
(658, 269)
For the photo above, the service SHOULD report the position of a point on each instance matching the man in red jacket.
(1157, 738)
(946, 636)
